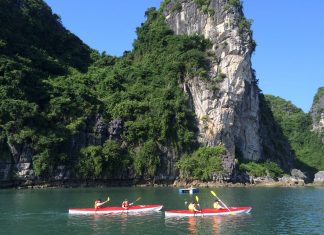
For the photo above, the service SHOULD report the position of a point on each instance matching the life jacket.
(216, 205)
(125, 204)
(95, 204)
(191, 207)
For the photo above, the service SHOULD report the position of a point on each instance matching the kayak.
(209, 212)
(115, 209)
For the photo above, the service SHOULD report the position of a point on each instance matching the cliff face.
(317, 112)
(229, 114)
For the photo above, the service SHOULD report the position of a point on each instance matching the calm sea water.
(275, 211)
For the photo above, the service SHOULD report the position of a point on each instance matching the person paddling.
(98, 203)
(216, 205)
(125, 204)
(193, 206)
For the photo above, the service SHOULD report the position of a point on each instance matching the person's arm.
(101, 203)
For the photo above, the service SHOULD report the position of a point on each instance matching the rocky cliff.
(317, 112)
(79, 106)
(228, 113)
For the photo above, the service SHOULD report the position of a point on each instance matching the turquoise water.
(275, 211)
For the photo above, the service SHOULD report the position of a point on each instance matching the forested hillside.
(35, 107)
(297, 128)
(54, 89)
(67, 111)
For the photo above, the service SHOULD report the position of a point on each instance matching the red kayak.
(115, 209)
(209, 212)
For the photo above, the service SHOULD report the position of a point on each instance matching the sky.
(289, 58)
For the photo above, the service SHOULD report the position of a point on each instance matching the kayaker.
(197, 207)
(125, 204)
(193, 206)
(216, 205)
(98, 203)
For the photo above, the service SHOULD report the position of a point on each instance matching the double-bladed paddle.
(200, 210)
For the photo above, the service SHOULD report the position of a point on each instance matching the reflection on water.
(216, 222)
(207, 224)
(119, 223)
(192, 225)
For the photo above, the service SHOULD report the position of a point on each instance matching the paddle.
(214, 194)
(108, 199)
(139, 198)
(197, 200)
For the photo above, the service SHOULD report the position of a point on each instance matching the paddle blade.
(136, 200)
(213, 193)
(108, 199)
(197, 199)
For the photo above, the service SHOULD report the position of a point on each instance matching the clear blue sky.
(289, 58)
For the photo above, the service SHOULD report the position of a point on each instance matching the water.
(275, 211)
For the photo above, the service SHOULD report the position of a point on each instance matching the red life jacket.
(125, 204)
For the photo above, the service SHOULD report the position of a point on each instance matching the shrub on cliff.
(202, 164)
(101, 161)
(262, 169)
(147, 160)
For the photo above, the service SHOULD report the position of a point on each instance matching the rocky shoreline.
(296, 179)
(258, 182)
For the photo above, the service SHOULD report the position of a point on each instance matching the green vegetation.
(147, 160)
(101, 161)
(233, 3)
(244, 24)
(164, 4)
(262, 169)
(204, 6)
(176, 7)
(35, 108)
(202, 164)
(53, 87)
(319, 93)
(296, 127)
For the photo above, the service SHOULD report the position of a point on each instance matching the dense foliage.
(57, 98)
(202, 164)
(35, 103)
(297, 126)
(53, 87)
(320, 93)
(262, 169)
